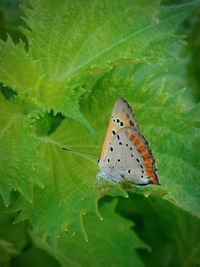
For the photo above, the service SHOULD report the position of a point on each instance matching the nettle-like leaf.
(68, 39)
(10, 21)
(70, 189)
(12, 237)
(15, 245)
(58, 73)
(34, 256)
(70, 36)
(171, 129)
(19, 156)
(20, 71)
(100, 33)
(107, 242)
(172, 233)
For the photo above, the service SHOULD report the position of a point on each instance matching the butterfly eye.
(129, 171)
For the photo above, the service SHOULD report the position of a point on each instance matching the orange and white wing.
(121, 117)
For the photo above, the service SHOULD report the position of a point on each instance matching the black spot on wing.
(113, 132)
(121, 123)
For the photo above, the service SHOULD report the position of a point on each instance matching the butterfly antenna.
(79, 152)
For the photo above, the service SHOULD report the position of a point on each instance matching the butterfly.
(126, 153)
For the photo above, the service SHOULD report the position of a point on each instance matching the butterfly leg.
(98, 180)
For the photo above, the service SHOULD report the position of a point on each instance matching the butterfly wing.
(125, 152)
(122, 116)
(129, 157)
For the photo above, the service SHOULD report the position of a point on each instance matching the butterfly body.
(125, 153)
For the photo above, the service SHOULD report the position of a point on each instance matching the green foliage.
(34, 257)
(12, 237)
(73, 250)
(10, 20)
(166, 229)
(167, 132)
(19, 152)
(194, 54)
(58, 87)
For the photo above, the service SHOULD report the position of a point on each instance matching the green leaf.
(172, 234)
(70, 181)
(34, 257)
(19, 157)
(70, 36)
(69, 43)
(7, 250)
(10, 20)
(192, 50)
(12, 237)
(108, 240)
(171, 130)
(18, 70)
(70, 184)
